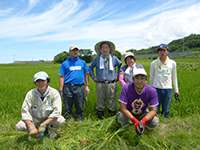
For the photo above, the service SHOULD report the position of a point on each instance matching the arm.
(151, 74)
(120, 65)
(174, 79)
(125, 111)
(121, 79)
(91, 69)
(151, 113)
(87, 90)
(61, 83)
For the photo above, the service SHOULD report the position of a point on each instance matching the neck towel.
(102, 62)
(73, 59)
(159, 63)
(130, 69)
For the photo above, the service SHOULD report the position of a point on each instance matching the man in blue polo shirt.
(72, 73)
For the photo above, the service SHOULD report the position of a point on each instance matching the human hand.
(96, 80)
(143, 121)
(60, 91)
(41, 131)
(33, 132)
(137, 123)
(87, 90)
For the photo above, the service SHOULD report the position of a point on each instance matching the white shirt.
(165, 77)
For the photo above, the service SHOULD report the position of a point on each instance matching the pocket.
(36, 112)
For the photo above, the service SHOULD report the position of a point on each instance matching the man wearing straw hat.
(106, 88)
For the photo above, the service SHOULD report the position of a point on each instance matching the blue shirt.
(101, 73)
(74, 71)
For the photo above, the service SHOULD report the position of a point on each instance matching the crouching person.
(41, 109)
(134, 99)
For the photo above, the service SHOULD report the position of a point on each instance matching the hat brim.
(97, 47)
(160, 48)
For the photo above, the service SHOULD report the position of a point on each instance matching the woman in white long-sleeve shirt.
(163, 77)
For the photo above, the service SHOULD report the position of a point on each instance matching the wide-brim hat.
(98, 46)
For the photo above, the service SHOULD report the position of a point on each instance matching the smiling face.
(130, 60)
(139, 82)
(105, 49)
(74, 53)
(41, 85)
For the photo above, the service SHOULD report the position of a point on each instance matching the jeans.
(73, 94)
(164, 98)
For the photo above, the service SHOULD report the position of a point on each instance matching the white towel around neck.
(129, 67)
(102, 62)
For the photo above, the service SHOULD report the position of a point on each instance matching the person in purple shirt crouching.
(134, 99)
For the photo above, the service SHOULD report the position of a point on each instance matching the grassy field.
(180, 131)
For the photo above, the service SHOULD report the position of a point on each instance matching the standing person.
(126, 72)
(42, 107)
(72, 73)
(162, 76)
(134, 99)
(106, 78)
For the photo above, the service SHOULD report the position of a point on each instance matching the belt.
(107, 82)
(74, 84)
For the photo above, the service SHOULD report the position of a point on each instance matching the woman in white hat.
(127, 71)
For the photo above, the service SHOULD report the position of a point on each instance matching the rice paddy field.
(180, 131)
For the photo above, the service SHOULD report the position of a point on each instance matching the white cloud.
(69, 20)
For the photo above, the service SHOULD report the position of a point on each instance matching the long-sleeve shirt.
(164, 77)
(38, 110)
(126, 77)
(106, 72)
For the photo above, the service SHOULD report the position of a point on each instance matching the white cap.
(40, 75)
(138, 71)
(72, 47)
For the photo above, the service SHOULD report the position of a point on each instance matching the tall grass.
(180, 131)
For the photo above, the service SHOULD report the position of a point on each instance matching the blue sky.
(40, 29)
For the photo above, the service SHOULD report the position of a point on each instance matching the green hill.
(190, 43)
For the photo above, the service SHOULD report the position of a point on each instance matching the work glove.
(33, 132)
(143, 121)
(137, 123)
(41, 131)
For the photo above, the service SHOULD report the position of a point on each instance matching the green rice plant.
(180, 131)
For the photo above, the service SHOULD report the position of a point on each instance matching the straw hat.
(97, 47)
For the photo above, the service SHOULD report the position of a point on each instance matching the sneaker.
(52, 135)
(100, 114)
(112, 113)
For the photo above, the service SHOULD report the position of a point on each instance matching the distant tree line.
(189, 43)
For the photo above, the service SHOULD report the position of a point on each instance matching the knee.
(21, 126)
(60, 121)
(154, 122)
(121, 118)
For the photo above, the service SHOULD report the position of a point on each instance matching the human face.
(139, 82)
(162, 53)
(130, 61)
(105, 49)
(41, 85)
(74, 53)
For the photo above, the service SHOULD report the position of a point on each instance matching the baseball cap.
(138, 71)
(72, 47)
(40, 75)
(162, 46)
